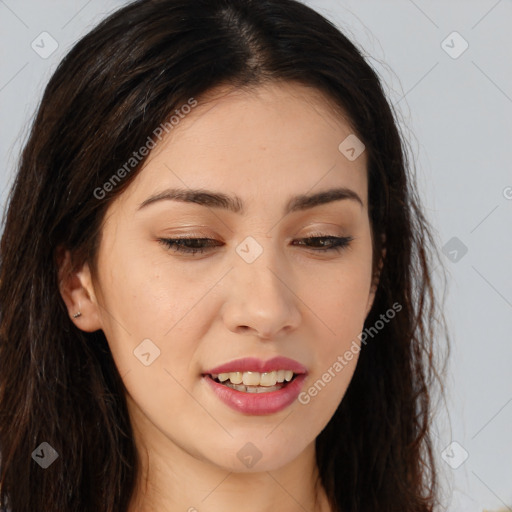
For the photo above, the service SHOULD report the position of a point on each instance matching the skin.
(203, 310)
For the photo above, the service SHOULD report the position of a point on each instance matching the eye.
(189, 245)
(334, 243)
(201, 245)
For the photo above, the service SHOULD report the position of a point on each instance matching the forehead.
(275, 140)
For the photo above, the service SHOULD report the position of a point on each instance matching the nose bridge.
(261, 298)
(260, 256)
(258, 266)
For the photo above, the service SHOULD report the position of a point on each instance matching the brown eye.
(327, 243)
(189, 245)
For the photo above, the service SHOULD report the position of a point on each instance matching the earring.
(76, 315)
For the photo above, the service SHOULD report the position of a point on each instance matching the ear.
(376, 278)
(77, 291)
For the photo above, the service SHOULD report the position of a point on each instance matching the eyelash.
(337, 244)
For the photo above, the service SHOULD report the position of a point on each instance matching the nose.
(262, 300)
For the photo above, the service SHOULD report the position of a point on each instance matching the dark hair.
(60, 385)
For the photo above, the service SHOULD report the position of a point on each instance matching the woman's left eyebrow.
(215, 199)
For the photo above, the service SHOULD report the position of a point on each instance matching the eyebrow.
(235, 204)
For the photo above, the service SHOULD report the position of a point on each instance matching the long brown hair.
(60, 385)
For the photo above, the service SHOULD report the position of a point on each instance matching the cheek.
(152, 329)
(337, 347)
(341, 308)
(339, 294)
(339, 304)
(148, 309)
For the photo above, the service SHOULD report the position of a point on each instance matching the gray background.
(456, 111)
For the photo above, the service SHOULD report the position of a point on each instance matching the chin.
(252, 454)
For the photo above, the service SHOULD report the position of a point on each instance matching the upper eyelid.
(340, 242)
(312, 236)
(208, 238)
(326, 229)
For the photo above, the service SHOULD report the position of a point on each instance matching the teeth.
(234, 377)
(251, 379)
(266, 379)
(253, 389)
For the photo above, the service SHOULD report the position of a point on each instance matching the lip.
(253, 364)
(258, 403)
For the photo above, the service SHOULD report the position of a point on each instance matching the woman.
(215, 289)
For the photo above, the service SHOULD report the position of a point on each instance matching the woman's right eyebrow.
(215, 199)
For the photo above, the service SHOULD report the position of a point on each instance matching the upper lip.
(253, 364)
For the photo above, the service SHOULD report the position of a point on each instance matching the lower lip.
(258, 403)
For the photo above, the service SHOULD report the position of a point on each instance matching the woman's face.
(259, 290)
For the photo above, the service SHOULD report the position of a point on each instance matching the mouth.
(254, 386)
(256, 399)
(254, 382)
